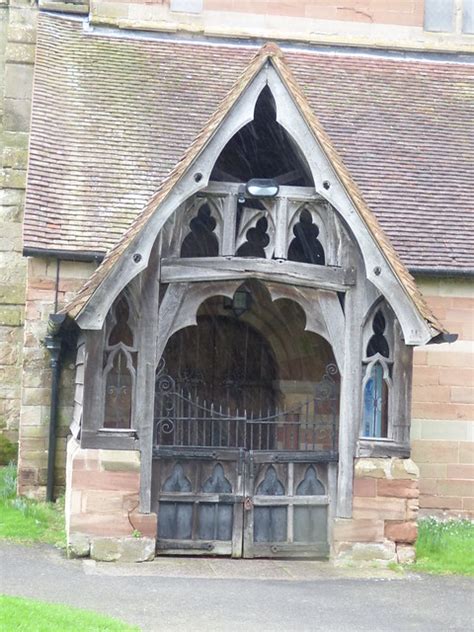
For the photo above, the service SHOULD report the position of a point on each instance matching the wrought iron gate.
(236, 482)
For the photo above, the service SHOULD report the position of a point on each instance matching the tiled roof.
(113, 115)
(272, 53)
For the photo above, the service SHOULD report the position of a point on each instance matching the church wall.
(17, 37)
(389, 23)
(41, 295)
(442, 430)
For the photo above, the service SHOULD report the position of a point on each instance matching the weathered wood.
(279, 271)
(402, 380)
(180, 304)
(332, 494)
(230, 221)
(145, 392)
(281, 230)
(109, 440)
(350, 402)
(382, 448)
(177, 547)
(76, 424)
(93, 409)
(284, 501)
(289, 192)
(334, 320)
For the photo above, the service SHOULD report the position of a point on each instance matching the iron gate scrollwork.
(183, 418)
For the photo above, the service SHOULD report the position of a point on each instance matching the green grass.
(28, 521)
(29, 615)
(445, 547)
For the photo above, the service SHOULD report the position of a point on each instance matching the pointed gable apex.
(333, 181)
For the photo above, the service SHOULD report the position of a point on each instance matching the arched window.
(120, 369)
(377, 380)
(375, 422)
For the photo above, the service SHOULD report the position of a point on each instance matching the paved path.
(263, 595)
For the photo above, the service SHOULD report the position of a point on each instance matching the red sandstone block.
(468, 504)
(365, 486)
(463, 471)
(459, 314)
(101, 524)
(86, 464)
(41, 283)
(423, 393)
(466, 452)
(462, 394)
(397, 488)
(466, 331)
(457, 377)
(119, 481)
(101, 502)
(447, 358)
(130, 502)
(401, 531)
(456, 487)
(435, 451)
(146, 524)
(428, 486)
(438, 410)
(321, 12)
(432, 470)
(440, 502)
(379, 508)
(426, 376)
(346, 530)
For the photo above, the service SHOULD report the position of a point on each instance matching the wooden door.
(287, 510)
(198, 496)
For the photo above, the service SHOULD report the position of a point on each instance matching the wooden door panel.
(198, 498)
(288, 514)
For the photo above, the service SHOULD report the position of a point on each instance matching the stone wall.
(17, 44)
(385, 23)
(42, 295)
(443, 404)
(383, 527)
(102, 518)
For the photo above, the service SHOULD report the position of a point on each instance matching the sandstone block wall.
(442, 430)
(17, 44)
(102, 498)
(47, 287)
(383, 526)
(389, 23)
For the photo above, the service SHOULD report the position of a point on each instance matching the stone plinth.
(102, 500)
(383, 526)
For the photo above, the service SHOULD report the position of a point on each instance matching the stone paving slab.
(224, 568)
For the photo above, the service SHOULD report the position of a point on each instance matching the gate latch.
(248, 503)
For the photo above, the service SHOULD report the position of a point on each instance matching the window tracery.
(119, 373)
(201, 240)
(377, 382)
(305, 246)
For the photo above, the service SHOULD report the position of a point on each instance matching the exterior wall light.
(240, 303)
(262, 188)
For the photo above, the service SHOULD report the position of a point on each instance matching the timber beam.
(200, 269)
